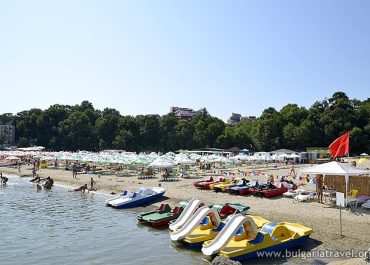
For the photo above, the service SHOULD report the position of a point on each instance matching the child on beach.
(92, 182)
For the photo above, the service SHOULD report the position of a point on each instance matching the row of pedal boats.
(242, 186)
(226, 230)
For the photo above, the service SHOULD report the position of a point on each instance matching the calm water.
(61, 227)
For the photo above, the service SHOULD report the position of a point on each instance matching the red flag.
(340, 146)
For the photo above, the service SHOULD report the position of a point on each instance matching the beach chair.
(366, 205)
(353, 193)
(292, 193)
(305, 196)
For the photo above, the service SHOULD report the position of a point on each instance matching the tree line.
(82, 127)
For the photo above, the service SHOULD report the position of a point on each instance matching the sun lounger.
(292, 193)
(366, 205)
(305, 196)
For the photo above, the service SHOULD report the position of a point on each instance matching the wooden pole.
(340, 220)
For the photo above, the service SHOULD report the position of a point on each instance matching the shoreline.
(324, 219)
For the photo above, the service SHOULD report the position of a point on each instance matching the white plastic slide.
(193, 222)
(189, 210)
(226, 234)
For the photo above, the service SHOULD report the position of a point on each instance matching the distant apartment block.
(9, 131)
(236, 118)
(248, 118)
(183, 113)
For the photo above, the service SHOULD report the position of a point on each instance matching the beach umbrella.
(161, 164)
(12, 158)
(186, 161)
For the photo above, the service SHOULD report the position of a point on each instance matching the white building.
(183, 113)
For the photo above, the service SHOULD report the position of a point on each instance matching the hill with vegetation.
(82, 127)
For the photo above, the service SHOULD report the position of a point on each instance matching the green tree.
(2, 138)
(23, 142)
(184, 134)
(77, 132)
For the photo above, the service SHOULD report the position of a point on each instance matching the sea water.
(61, 227)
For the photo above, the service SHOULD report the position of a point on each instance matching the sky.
(142, 57)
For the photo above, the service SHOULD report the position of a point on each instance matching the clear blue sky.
(143, 57)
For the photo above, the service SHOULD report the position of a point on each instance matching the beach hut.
(335, 169)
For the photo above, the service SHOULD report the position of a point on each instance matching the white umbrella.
(12, 158)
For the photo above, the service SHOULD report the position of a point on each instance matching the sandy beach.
(323, 218)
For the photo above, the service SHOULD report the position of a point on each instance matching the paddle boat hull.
(271, 238)
(206, 184)
(264, 252)
(208, 230)
(142, 197)
(161, 217)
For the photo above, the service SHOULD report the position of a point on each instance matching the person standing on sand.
(292, 171)
(319, 188)
(92, 182)
(74, 170)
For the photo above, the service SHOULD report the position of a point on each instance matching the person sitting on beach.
(166, 173)
(81, 188)
(270, 179)
(149, 172)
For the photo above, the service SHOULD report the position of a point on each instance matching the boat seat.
(281, 232)
(164, 208)
(240, 234)
(176, 210)
(206, 223)
(219, 228)
(269, 228)
(258, 239)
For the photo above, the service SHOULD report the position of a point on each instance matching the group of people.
(48, 182)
